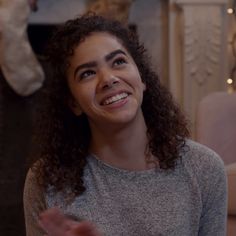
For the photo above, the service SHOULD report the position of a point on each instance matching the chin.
(125, 117)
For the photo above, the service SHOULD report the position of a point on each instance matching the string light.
(229, 81)
(230, 10)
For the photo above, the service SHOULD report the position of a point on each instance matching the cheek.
(138, 77)
(84, 97)
(140, 83)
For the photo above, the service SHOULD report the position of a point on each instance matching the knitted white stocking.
(19, 65)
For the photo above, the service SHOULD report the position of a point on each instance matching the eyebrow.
(91, 64)
(112, 54)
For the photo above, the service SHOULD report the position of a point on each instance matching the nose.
(107, 79)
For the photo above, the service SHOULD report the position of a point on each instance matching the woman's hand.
(56, 224)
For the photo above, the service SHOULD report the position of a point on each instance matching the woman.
(115, 156)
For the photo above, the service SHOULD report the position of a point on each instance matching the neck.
(123, 147)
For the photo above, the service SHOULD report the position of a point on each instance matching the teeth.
(115, 98)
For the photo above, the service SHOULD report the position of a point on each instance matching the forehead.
(98, 44)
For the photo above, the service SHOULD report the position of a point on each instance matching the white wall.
(152, 27)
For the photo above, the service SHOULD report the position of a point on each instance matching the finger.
(57, 224)
(85, 228)
(53, 222)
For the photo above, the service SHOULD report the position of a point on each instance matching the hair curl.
(65, 138)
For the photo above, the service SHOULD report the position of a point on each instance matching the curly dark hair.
(65, 137)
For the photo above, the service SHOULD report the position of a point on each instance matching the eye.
(119, 62)
(86, 74)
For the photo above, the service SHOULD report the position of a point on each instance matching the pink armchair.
(231, 172)
(216, 128)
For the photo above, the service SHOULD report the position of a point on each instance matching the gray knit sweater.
(187, 201)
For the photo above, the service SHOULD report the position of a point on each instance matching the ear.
(75, 107)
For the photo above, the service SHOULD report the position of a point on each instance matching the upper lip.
(113, 94)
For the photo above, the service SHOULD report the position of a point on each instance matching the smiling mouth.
(115, 98)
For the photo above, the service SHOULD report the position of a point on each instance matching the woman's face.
(104, 81)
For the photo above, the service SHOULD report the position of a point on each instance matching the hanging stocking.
(18, 62)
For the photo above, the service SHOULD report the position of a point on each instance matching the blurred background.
(192, 46)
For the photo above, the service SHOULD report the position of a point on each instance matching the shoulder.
(205, 170)
(32, 187)
(31, 177)
(202, 161)
(34, 193)
(198, 154)
(34, 202)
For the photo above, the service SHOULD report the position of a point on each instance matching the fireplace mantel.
(197, 51)
(200, 2)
